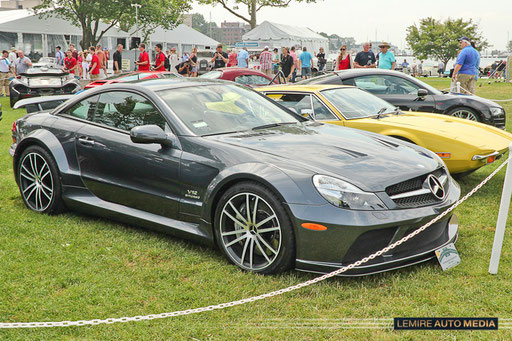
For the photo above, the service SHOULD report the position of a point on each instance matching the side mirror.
(422, 92)
(148, 134)
(308, 113)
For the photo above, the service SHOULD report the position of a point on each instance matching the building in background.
(232, 32)
(18, 4)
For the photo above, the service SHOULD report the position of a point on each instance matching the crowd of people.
(292, 62)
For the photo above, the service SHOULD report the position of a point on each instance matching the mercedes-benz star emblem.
(436, 187)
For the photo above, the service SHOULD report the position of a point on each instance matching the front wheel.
(253, 229)
(465, 113)
(39, 181)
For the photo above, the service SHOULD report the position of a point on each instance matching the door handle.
(86, 141)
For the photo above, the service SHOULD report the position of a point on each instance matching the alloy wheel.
(250, 231)
(36, 182)
(465, 114)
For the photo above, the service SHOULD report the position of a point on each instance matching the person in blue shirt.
(306, 62)
(59, 56)
(465, 66)
(386, 58)
(243, 58)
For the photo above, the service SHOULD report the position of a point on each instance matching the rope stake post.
(502, 218)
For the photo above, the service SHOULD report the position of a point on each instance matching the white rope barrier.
(7, 325)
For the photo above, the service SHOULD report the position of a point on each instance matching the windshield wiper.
(381, 111)
(398, 111)
(223, 133)
(272, 125)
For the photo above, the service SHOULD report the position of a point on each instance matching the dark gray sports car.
(219, 163)
(409, 93)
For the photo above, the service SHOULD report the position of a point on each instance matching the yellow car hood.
(477, 134)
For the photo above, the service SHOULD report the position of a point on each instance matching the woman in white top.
(85, 65)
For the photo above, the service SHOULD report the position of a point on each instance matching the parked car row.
(219, 163)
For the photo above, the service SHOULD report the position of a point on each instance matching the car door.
(115, 169)
(398, 91)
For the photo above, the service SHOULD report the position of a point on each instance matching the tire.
(265, 249)
(12, 101)
(465, 113)
(39, 181)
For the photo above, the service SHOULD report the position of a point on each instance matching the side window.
(84, 109)
(251, 80)
(297, 102)
(321, 111)
(373, 84)
(125, 110)
(400, 86)
(385, 84)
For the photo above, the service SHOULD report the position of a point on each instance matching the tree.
(90, 14)
(509, 46)
(251, 6)
(438, 40)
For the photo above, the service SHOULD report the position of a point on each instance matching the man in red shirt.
(95, 64)
(73, 51)
(102, 59)
(70, 64)
(143, 62)
(160, 58)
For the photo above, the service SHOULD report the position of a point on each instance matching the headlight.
(342, 194)
(497, 111)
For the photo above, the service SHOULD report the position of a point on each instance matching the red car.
(248, 77)
(131, 76)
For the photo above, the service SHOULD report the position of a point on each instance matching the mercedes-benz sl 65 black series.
(219, 163)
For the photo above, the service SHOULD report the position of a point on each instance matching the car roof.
(155, 85)
(365, 71)
(302, 87)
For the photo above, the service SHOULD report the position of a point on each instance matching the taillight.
(14, 131)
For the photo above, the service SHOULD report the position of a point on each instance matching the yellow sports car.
(464, 145)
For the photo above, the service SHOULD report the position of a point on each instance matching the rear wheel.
(465, 113)
(39, 181)
(253, 229)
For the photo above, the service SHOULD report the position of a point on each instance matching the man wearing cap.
(465, 66)
(266, 62)
(386, 58)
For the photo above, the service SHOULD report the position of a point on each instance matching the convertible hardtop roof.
(302, 87)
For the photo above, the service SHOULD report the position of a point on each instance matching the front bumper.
(410, 253)
(352, 235)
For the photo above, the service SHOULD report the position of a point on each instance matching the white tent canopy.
(24, 29)
(278, 35)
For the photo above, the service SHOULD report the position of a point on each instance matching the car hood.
(370, 161)
(485, 101)
(476, 134)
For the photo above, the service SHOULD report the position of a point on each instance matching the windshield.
(356, 103)
(212, 75)
(220, 109)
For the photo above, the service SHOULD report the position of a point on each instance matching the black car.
(42, 81)
(410, 93)
(219, 163)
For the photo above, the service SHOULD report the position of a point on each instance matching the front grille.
(415, 184)
(368, 243)
(416, 201)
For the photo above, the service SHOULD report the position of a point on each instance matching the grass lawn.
(76, 267)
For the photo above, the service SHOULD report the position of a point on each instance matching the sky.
(380, 20)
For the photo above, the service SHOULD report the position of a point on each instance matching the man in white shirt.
(5, 67)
